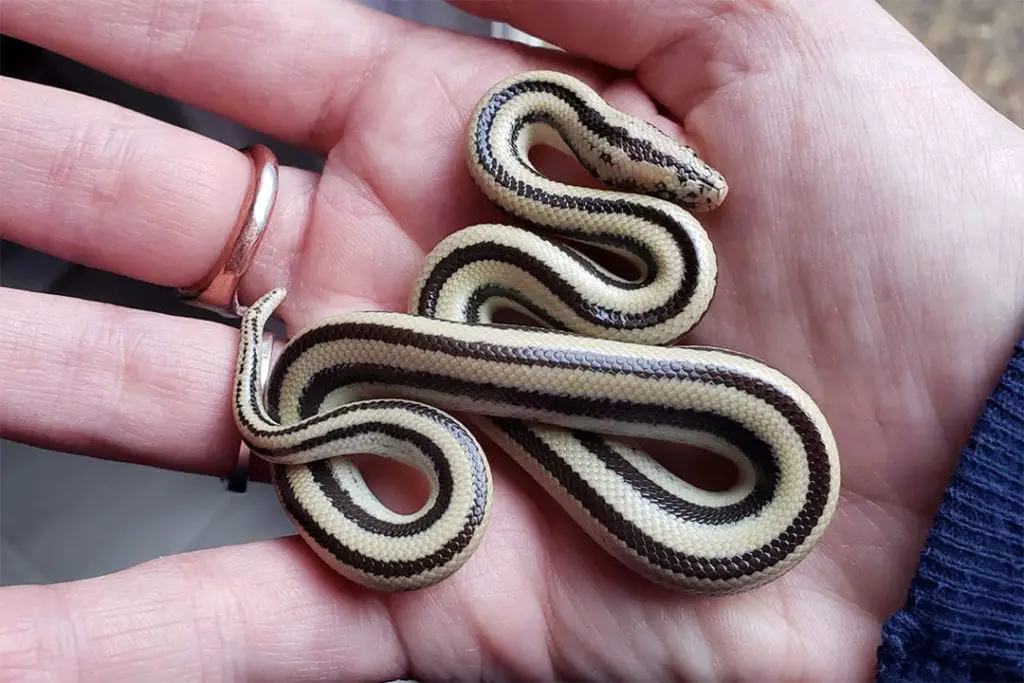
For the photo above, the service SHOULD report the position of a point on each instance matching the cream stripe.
(677, 393)
(515, 365)
(409, 548)
(691, 538)
(651, 468)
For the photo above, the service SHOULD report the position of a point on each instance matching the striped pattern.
(325, 496)
(668, 243)
(563, 402)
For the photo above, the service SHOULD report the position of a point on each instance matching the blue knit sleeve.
(964, 615)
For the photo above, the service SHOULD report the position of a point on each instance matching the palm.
(838, 265)
(800, 243)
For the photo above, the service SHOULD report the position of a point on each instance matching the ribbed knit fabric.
(964, 615)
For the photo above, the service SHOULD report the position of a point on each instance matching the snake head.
(694, 185)
(645, 160)
(678, 174)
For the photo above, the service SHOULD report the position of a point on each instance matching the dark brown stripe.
(627, 243)
(251, 330)
(646, 368)
(818, 461)
(340, 498)
(654, 552)
(583, 307)
(766, 479)
(388, 568)
(481, 295)
(639, 150)
(759, 453)
(623, 184)
(560, 358)
(342, 501)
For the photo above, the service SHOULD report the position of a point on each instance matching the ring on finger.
(218, 290)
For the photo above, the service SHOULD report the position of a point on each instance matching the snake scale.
(565, 396)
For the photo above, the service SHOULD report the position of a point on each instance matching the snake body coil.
(562, 399)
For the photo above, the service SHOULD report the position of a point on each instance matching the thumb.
(683, 51)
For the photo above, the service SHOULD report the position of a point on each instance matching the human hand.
(868, 248)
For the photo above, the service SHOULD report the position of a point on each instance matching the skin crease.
(869, 247)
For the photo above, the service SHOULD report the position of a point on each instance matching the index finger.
(291, 70)
(285, 68)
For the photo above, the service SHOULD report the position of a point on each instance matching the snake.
(595, 364)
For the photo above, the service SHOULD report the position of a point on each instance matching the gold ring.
(218, 291)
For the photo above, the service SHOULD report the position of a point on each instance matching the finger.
(267, 611)
(95, 184)
(292, 70)
(135, 386)
(306, 66)
(684, 52)
(273, 611)
(680, 52)
(111, 382)
(620, 33)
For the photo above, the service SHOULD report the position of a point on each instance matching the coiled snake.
(563, 398)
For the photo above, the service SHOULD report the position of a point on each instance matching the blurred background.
(64, 517)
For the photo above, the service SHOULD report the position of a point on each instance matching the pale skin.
(870, 247)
